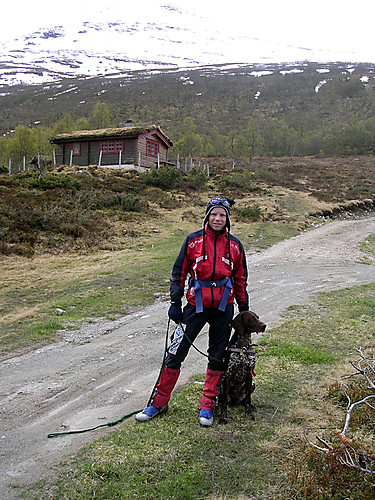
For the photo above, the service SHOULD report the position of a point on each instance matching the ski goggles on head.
(216, 201)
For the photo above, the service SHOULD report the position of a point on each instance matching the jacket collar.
(212, 232)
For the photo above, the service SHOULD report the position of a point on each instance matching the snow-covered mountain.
(167, 37)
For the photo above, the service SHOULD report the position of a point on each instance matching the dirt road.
(108, 369)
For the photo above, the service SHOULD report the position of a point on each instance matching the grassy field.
(109, 253)
(42, 296)
(76, 247)
(84, 287)
(296, 393)
(123, 266)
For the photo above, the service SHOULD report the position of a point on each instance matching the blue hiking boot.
(150, 412)
(205, 418)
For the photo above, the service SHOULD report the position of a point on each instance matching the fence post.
(23, 163)
(119, 158)
(10, 167)
(178, 160)
(39, 167)
(208, 170)
(139, 158)
(158, 161)
(100, 157)
(54, 157)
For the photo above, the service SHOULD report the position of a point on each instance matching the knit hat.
(219, 202)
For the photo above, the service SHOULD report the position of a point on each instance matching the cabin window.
(152, 147)
(76, 148)
(112, 146)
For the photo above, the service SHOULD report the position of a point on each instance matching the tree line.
(269, 137)
(275, 137)
(234, 116)
(28, 142)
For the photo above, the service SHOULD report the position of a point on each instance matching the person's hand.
(175, 312)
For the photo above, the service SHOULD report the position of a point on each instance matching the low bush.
(197, 179)
(248, 214)
(243, 181)
(51, 211)
(53, 181)
(22, 249)
(165, 177)
(101, 199)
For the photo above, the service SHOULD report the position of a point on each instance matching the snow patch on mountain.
(161, 36)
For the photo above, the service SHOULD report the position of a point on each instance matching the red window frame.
(152, 148)
(76, 148)
(112, 146)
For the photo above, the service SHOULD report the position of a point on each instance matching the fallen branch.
(346, 451)
(351, 408)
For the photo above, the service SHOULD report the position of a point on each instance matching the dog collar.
(242, 351)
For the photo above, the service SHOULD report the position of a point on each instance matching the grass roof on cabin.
(108, 132)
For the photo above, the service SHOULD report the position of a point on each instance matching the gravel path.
(108, 369)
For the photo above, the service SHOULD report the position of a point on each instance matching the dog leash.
(115, 422)
(128, 415)
(211, 358)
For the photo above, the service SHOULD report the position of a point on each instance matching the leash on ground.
(115, 422)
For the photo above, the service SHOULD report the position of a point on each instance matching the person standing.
(215, 263)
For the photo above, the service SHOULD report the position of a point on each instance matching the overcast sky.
(321, 25)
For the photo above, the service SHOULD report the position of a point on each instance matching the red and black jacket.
(224, 258)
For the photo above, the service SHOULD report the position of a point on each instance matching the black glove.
(175, 312)
(243, 308)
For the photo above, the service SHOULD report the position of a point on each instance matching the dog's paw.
(223, 419)
(249, 412)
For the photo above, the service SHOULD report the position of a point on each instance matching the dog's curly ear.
(238, 325)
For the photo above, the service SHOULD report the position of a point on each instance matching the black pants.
(218, 335)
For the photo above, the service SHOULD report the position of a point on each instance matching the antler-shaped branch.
(346, 453)
(351, 408)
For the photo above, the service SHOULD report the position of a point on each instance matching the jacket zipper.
(213, 271)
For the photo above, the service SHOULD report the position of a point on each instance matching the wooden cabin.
(123, 147)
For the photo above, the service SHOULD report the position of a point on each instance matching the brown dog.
(237, 383)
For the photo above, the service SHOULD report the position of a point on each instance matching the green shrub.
(248, 214)
(164, 178)
(241, 180)
(269, 175)
(53, 181)
(131, 203)
(197, 179)
(98, 199)
(3, 170)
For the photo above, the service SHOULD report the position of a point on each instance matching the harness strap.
(238, 349)
(198, 284)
